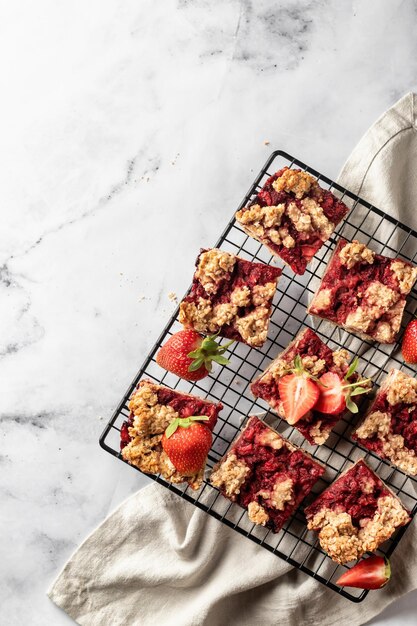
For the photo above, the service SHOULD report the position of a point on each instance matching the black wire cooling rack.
(230, 384)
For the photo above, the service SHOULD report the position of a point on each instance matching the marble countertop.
(130, 132)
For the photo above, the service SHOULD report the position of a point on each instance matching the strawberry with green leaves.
(189, 355)
(336, 393)
(298, 391)
(187, 442)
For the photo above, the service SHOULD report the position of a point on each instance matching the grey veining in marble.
(130, 132)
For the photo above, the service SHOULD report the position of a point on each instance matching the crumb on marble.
(173, 296)
(266, 142)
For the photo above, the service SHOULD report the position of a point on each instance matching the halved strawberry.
(336, 392)
(409, 343)
(187, 443)
(189, 355)
(332, 397)
(298, 392)
(371, 573)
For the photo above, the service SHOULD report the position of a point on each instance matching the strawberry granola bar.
(317, 359)
(265, 474)
(230, 296)
(292, 216)
(152, 408)
(355, 514)
(364, 292)
(389, 428)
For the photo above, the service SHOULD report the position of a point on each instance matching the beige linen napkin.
(159, 560)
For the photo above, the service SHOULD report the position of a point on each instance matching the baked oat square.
(230, 296)
(292, 216)
(389, 427)
(364, 292)
(355, 514)
(152, 408)
(266, 474)
(317, 359)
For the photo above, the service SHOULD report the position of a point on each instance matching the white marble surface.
(129, 132)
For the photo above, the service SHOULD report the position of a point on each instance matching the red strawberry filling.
(269, 466)
(355, 493)
(306, 243)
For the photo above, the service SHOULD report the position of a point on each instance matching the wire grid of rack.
(230, 384)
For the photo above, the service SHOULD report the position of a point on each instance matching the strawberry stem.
(208, 352)
(357, 383)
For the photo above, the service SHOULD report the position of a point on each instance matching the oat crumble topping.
(313, 364)
(310, 218)
(297, 182)
(241, 296)
(344, 542)
(223, 314)
(384, 332)
(281, 493)
(401, 388)
(230, 475)
(405, 274)
(272, 439)
(257, 513)
(318, 433)
(322, 299)
(262, 294)
(375, 423)
(379, 297)
(253, 327)
(265, 216)
(214, 266)
(150, 418)
(341, 358)
(337, 535)
(359, 319)
(355, 252)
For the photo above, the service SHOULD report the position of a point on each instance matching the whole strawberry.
(189, 355)
(409, 345)
(187, 443)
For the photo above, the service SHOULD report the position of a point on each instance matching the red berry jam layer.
(230, 296)
(293, 216)
(318, 359)
(364, 292)
(152, 408)
(389, 428)
(266, 474)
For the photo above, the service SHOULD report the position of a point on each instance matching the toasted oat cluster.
(293, 216)
(265, 474)
(230, 296)
(389, 428)
(317, 359)
(152, 408)
(356, 514)
(364, 292)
